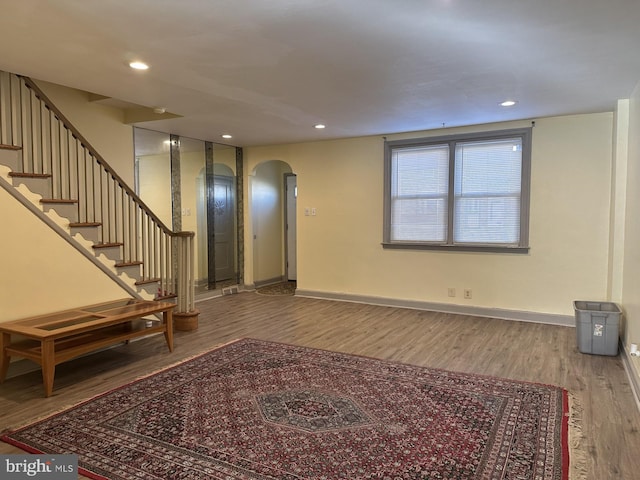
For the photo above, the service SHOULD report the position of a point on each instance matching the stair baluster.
(51, 147)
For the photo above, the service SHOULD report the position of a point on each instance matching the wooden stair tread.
(29, 175)
(128, 264)
(59, 200)
(84, 224)
(148, 280)
(107, 245)
(9, 147)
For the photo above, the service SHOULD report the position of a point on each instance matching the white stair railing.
(52, 146)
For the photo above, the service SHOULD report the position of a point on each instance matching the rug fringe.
(578, 469)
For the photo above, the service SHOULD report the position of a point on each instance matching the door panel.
(221, 236)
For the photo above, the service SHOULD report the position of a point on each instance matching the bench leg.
(168, 328)
(48, 366)
(5, 340)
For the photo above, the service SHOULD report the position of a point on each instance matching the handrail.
(51, 145)
(50, 105)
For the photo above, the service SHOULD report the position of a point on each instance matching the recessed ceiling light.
(319, 126)
(508, 103)
(139, 65)
(226, 135)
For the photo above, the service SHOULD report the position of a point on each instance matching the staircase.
(48, 166)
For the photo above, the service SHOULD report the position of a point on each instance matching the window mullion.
(451, 193)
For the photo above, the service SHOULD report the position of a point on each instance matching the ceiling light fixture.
(226, 135)
(508, 103)
(139, 66)
(319, 126)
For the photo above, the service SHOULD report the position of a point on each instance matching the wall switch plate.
(451, 292)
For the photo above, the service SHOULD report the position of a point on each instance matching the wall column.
(240, 213)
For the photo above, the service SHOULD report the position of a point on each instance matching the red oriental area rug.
(259, 410)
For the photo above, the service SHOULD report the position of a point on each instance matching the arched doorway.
(271, 217)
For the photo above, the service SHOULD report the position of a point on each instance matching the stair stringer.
(60, 225)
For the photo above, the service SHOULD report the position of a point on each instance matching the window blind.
(487, 191)
(419, 186)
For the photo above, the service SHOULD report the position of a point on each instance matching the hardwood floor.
(518, 350)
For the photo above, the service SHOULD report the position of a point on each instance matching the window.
(467, 192)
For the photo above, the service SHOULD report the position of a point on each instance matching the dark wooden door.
(220, 226)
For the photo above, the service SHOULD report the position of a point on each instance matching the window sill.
(455, 248)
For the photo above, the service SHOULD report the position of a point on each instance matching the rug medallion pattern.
(255, 410)
(311, 411)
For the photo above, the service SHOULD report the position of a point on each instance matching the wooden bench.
(58, 337)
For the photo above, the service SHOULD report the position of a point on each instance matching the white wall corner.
(619, 162)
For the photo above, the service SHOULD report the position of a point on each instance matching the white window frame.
(522, 246)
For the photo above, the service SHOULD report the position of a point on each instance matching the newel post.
(186, 315)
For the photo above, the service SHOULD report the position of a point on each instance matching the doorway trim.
(290, 227)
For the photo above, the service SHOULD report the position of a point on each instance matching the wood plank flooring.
(518, 350)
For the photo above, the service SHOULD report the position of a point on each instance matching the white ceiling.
(266, 71)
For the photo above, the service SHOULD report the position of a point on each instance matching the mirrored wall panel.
(153, 172)
(192, 187)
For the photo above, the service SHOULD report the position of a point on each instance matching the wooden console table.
(58, 337)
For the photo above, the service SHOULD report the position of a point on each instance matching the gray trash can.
(597, 326)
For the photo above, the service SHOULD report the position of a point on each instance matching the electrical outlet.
(467, 293)
(451, 292)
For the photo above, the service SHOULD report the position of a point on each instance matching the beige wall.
(631, 275)
(154, 185)
(41, 272)
(618, 200)
(101, 125)
(339, 249)
(224, 155)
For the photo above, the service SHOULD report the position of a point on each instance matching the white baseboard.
(632, 367)
(504, 314)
